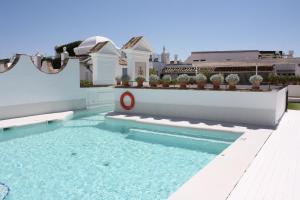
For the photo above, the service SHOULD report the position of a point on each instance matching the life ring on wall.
(132, 100)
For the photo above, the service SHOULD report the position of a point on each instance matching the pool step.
(182, 141)
(4, 190)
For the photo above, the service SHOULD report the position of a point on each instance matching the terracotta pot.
(216, 85)
(125, 83)
(232, 85)
(140, 83)
(256, 85)
(182, 85)
(153, 84)
(201, 84)
(166, 85)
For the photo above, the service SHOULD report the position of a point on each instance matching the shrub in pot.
(125, 80)
(217, 80)
(183, 80)
(232, 80)
(166, 80)
(140, 80)
(201, 80)
(153, 80)
(118, 80)
(255, 80)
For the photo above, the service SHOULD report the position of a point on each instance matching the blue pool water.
(89, 157)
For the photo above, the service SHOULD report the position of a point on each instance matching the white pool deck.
(37, 119)
(263, 164)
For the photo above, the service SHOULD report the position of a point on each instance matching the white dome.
(86, 45)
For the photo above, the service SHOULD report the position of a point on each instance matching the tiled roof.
(229, 51)
(178, 69)
(192, 70)
(98, 46)
(133, 41)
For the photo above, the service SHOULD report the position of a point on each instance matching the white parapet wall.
(27, 91)
(259, 108)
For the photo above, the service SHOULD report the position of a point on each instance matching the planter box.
(260, 108)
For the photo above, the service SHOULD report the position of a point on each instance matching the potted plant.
(118, 80)
(166, 79)
(255, 80)
(232, 80)
(183, 80)
(153, 80)
(140, 80)
(125, 80)
(217, 80)
(201, 80)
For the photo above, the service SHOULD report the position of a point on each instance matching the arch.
(49, 65)
(6, 67)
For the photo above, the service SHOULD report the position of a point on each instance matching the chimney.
(290, 54)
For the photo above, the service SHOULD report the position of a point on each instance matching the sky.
(183, 26)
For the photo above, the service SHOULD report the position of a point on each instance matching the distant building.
(160, 61)
(244, 62)
(165, 56)
(101, 61)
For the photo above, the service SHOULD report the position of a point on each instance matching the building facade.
(245, 63)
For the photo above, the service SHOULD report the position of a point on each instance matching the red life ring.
(132, 101)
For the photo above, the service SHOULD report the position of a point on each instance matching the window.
(203, 60)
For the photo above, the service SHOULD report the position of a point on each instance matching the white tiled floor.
(275, 172)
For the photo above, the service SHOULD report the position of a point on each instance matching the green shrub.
(232, 78)
(166, 79)
(125, 78)
(192, 80)
(217, 77)
(153, 79)
(140, 78)
(183, 78)
(86, 83)
(201, 77)
(254, 78)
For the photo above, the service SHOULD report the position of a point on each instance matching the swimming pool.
(89, 157)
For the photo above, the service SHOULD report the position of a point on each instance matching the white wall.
(85, 74)
(224, 106)
(222, 56)
(134, 56)
(294, 90)
(104, 68)
(24, 83)
(280, 104)
(98, 97)
(27, 91)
